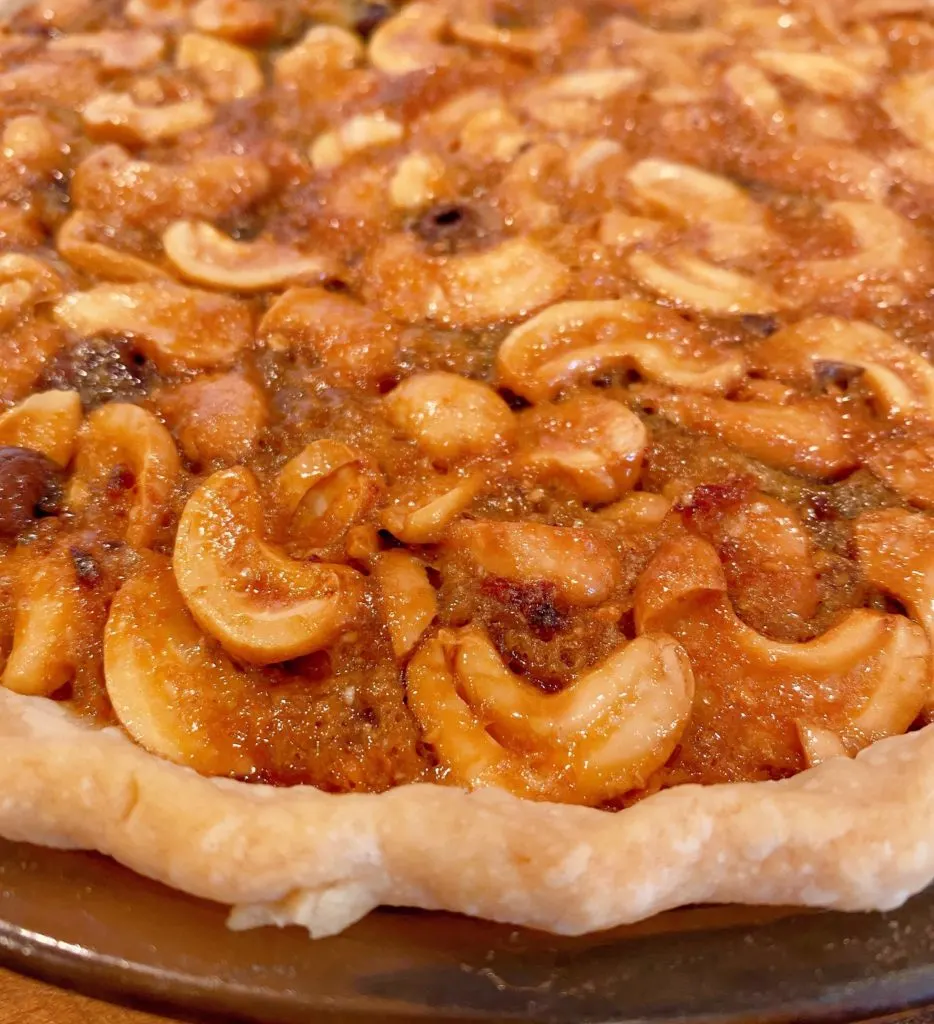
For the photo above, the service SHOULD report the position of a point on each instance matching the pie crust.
(848, 834)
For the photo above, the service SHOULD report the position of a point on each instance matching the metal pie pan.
(81, 920)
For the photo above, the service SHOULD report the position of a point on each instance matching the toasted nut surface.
(260, 604)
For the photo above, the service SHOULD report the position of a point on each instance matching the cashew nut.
(155, 13)
(592, 446)
(165, 680)
(410, 41)
(819, 744)
(868, 675)
(207, 256)
(224, 71)
(689, 281)
(47, 613)
(819, 72)
(807, 437)
(216, 418)
(908, 468)
(901, 380)
(174, 326)
(640, 510)
(150, 195)
(581, 565)
(350, 339)
(475, 30)
(260, 604)
(30, 145)
(422, 514)
(123, 447)
(895, 549)
(571, 102)
(118, 117)
(324, 50)
(408, 599)
(909, 104)
(572, 340)
(115, 51)
(450, 416)
(756, 94)
(465, 290)
(75, 243)
(47, 422)
(25, 282)
(356, 135)
(244, 21)
(321, 491)
(888, 245)
(418, 181)
(602, 736)
(734, 223)
(621, 230)
(769, 552)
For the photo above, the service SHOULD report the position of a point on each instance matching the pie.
(470, 454)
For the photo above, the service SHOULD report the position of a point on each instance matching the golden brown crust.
(849, 834)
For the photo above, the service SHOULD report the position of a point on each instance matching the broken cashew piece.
(895, 550)
(473, 289)
(901, 380)
(351, 340)
(114, 50)
(418, 181)
(357, 135)
(876, 664)
(117, 117)
(819, 744)
(174, 326)
(578, 562)
(602, 736)
(449, 415)
(410, 41)
(408, 599)
(260, 604)
(323, 50)
(638, 511)
(423, 515)
(322, 490)
(225, 72)
(207, 256)
(907, 466)
(25, 283)
(909, 104)
(164, 677)
(47, 422)
(116, 437)
(590, 445)
(819, 72)
(47, 610)
(574, 340)
(75, 243)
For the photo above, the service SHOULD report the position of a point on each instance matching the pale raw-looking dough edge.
(853, 835)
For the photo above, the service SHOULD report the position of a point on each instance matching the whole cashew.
(260, 604)
(602, 736)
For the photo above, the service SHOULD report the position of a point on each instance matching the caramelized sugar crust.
(486, 393)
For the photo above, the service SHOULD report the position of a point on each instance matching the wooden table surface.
(25, 1001)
